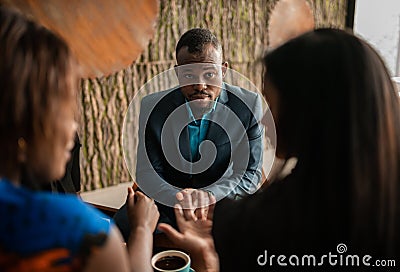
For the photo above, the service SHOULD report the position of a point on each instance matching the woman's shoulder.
(70, 214)
(269, 201)
(274, 209)
(243, 229)
(43, 220)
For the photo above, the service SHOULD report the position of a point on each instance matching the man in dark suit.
(203, 134)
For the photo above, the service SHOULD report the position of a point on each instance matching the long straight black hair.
(339, 115)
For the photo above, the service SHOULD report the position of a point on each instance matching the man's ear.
(224, 68)
(176, 70)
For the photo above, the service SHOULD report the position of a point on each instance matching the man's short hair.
(195, 39)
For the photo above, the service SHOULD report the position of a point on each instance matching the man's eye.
(188, 76)
(210, 75)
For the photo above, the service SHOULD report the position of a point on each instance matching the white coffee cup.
(171, 261)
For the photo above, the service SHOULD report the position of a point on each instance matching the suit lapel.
(220, 112)
(182, 140)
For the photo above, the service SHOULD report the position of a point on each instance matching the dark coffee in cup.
(171, 260)
(170, 263)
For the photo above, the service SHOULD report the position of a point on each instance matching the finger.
(179, 196)
(198, 213)
(180, 217)
(185, 197)
(188, 210)
(178, 210)
(210, 213)
(131, 193)
(140, 194)
(203, 204)
(170, 232)
(194, 204)
(142, 198)
(130, 197)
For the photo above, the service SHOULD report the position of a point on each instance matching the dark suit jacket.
(164, 157)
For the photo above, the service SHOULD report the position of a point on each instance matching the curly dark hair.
(195, 39)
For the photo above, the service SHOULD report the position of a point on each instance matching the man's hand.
(195, 203)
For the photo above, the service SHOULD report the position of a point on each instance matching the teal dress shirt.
(198, 130)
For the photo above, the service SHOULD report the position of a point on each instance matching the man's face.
(200, 76)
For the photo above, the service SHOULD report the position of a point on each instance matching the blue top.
(198, 130)
(37, 226)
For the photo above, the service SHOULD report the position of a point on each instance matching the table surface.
(112, 197)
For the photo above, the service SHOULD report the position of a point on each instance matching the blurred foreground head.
(37, 101)
(337, 110)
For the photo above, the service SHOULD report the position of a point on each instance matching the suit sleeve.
(238, 182)
(149, 175)
(251, 179)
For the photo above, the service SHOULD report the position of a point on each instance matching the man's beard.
(200, 107)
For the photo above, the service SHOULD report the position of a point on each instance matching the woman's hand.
(195, 223)
(142, 211)
(143, 216)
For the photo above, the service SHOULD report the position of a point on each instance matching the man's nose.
(200, 86)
